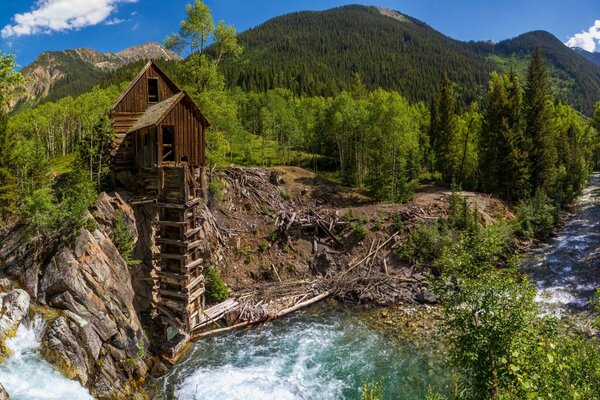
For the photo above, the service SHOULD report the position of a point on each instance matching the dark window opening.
(168, 139)
(153, 90)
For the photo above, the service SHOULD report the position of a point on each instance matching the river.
(329, 352)
(566, 270)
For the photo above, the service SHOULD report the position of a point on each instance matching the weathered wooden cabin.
(158, 154)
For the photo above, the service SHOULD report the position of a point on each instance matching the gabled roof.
(158, 112)
(139, 76)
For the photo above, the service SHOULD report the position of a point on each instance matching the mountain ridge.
(69, 72)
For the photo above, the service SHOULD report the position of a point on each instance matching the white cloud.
(61, 15)
(586, 40)
(114, 21)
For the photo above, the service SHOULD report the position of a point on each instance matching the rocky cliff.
(94, 333)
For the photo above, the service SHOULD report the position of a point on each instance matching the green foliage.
(460, 215)
(124, 239)
(372, 391)
(504, 349)
(215, 289)
(263, 246)
(543, 153)
(398, 221)
(478, 252)
(503, 147)
(286, 194)
(484, 328)
(216, 191)
(426, 243)
(61, 209)
(197, 30)
(273, 236)
(360, 230)
(536, 217)
(40, 210)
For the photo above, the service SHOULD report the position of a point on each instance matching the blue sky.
(29, 27)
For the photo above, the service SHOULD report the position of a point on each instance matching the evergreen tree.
(444, 133)
(10, 81)
(543, 152)
(503, 151)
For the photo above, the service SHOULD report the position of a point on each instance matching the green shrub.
(348, 215)
(216, 191)
(63, 209)
(273, 236)
(263, 246)
(478, 252)
(40, 210)
(536, 217)
(286, 194)
(460, 215)
(426, 243)
(398, 221)
(124, 239)
(503, 349)
(215, 289)
(360, 229)
(372, 391)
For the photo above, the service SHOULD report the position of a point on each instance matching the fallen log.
(284, 312)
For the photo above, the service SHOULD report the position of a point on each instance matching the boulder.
(426, 297)
(3, 393)
(14, 307)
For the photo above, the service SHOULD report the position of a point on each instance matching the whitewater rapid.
(566, 271)
(323, 353)
(26, 376)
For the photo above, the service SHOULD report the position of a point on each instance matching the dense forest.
(516, 140)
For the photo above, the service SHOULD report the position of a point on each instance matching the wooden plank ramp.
(216, 312)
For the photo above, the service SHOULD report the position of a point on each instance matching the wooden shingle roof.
(156, 113)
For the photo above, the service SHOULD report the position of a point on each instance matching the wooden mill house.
(158, 154)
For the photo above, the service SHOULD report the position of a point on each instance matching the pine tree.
(445, 133)
(503, 151)
(517, 158)
(8, 184)
(543, 152)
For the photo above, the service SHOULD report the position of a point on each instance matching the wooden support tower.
(178, 265)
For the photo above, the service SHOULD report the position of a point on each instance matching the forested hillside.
(317, 53)
(575, 80)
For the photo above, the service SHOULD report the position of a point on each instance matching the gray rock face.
(14, 306)
(3, 394)
(97, 337)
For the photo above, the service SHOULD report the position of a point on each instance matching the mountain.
(574, 78)
(56, 74)
(318, 53)
(592, 56)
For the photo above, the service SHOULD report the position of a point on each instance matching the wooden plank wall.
(146, 147)
(137, 99)
(189, 134)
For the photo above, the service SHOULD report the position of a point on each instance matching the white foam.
(26, 376)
